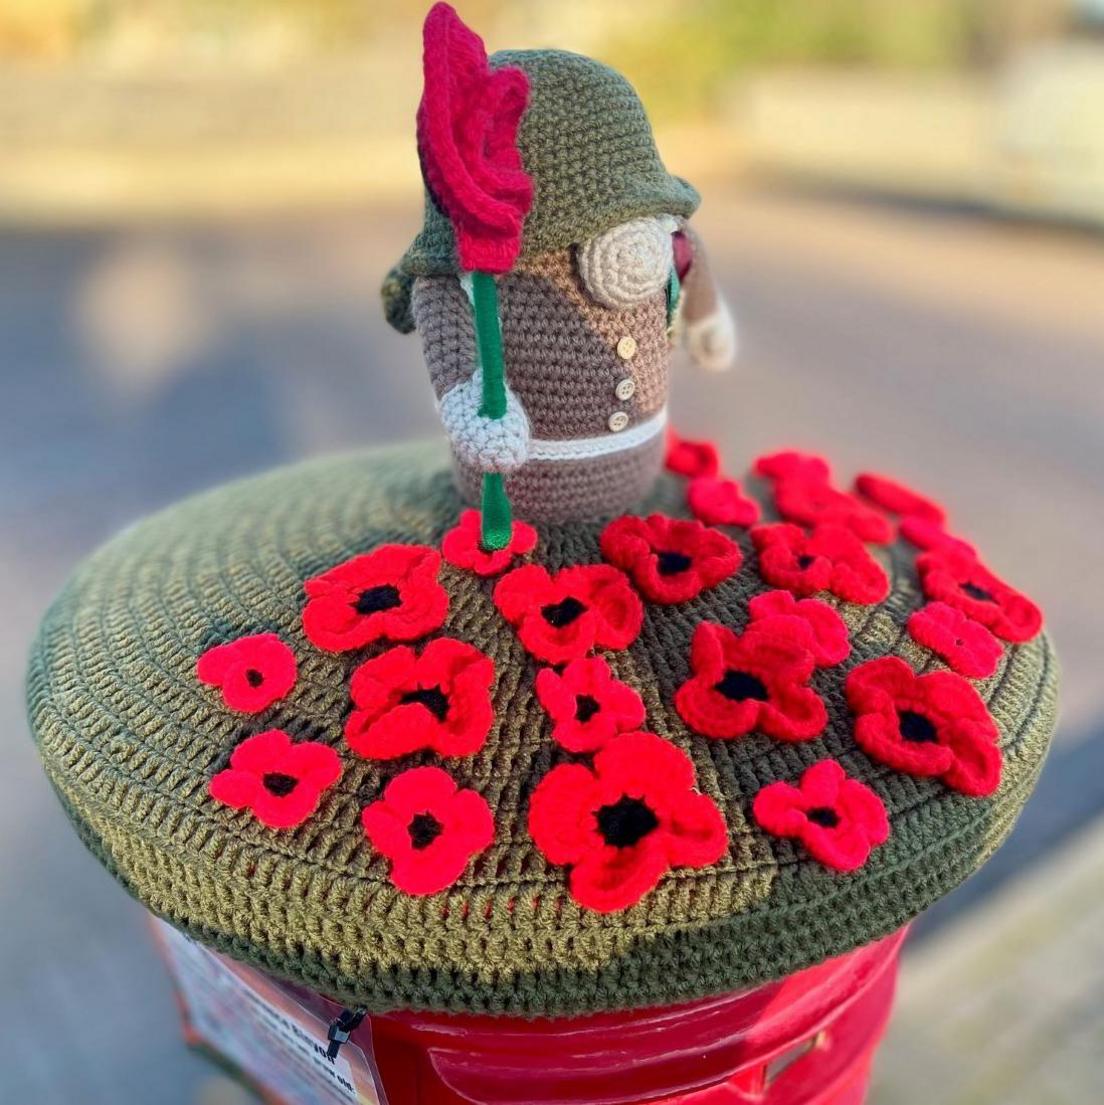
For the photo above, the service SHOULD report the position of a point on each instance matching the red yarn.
(925, 533)
(587, 705)
(467, 140)
(428, 828)
(682, 250)
(829, 559)
(950, 574)
(390, 593)
(813, 502)
(462, 546)
(897, 498)
(934, 724)
(439, 700)
(720, 502)
(838, 820)
(562, 617)
(691, 458)
(825, 631)
(252, 672)
(790, 464)
(670, 560)
(280, 782)
(623, 824)
(964, 645)
(754, 681)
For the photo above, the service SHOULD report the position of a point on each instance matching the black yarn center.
(424, 829)
(253, 677)
(375, 599)
(432, 698)
(279, 784)
(976, 592)
(671, 563)
(824, 816)
(741, 685)
(586, 707)
(626, 822)
(805, 561)
(561, 614)
(917, 728)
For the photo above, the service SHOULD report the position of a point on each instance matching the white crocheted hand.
(491, 444)
(712, 340)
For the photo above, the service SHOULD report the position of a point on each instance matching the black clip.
(341, 1027)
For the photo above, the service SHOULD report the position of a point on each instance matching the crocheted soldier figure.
(601, 277)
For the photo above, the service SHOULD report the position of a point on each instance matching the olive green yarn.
(130, 740)
(586, 141)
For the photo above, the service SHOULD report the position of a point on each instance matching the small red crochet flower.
(897, 498)
(951, 575)
(826, 632)
(279, 781)
(390, 593)
(965, 645)
(839, 820)
(925, 533)
(623, 824)
(691, 458)
(588, 706)
(562, 617)
(813, 502)
(934, 724)
(829, 559)
(670, 559)
(440, 699)
(755, 680)
(462, 546)
(428, 828)
(252, 672)
(790, 464)
(720, 502)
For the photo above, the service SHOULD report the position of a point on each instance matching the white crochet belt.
(587, 448)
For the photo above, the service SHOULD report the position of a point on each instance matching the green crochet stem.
(497, 518)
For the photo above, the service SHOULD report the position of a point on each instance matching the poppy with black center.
(377, 599)
(275, 782)
(563, 613)
(916, 727)
(741, 685)
(586, 707)
(424, 829)
(432, 698)
(824, 816)
(671, 563)
(626, 822)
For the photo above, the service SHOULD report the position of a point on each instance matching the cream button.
(625, 389)
(618, 421)
(626, 347)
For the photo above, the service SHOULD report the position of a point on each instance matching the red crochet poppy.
(440, 699)
(462, 546)
(897, 498)
(839, 820)
(825, 630)
(925, 533)
(467, 142)
(390, 593)
(965, 645)
(720, 502)
(934, 724)
(428, 828)
(755, 680)
(813, 502)
(829, 559)
(279, 781)
(790, 464)
(623, 824)
(691, 458)
(252, 672)
(670, 559)
(588, 706)
(562, 617)
(951, 575)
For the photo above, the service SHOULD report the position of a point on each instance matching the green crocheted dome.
(132, 738)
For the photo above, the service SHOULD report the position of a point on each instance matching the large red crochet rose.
(934, 724)
(467, 141)
(587, 705)
(623, 824)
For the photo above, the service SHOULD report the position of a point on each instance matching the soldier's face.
(629, 263)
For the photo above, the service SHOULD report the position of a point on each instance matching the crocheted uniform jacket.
(615, 765)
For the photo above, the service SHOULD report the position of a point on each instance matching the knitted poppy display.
(830, 558)
(438, 699)
(587, 705)
(838, 820)
(252, 672)
(964, 645)
(935, 724)
(391, 593)
(669, 559)
(429, 828)
(897, 498)
(950, 574)
(720, 502)
(757, 680)
(825, 631)
(280, 782)
(462, 546)
(623, 824)
(692, 459)
(562, 617)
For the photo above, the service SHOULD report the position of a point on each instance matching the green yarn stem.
(497, 517)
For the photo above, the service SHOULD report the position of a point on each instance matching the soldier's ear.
(629, 263)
